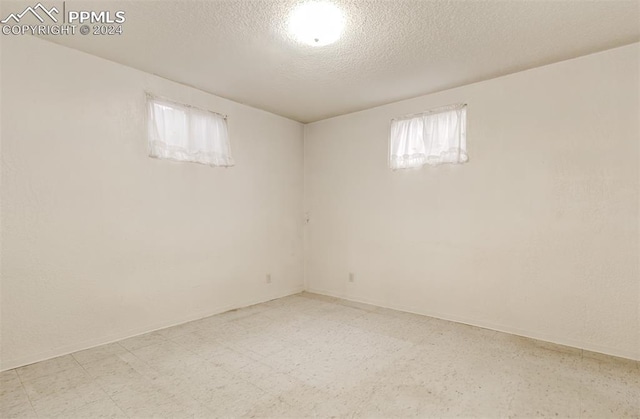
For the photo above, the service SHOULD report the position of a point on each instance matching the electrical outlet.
(268, 278)
(352, 277)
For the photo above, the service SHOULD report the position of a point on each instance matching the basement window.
(185, 133)
(433, 137)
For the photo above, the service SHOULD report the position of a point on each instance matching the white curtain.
(434, 137)
(183, 133)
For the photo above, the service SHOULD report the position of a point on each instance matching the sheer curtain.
(434, 137)
(183, 133)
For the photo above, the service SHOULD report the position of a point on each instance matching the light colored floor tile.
(273, 407)
(206, 323)
(103, 408)
(9, 378)
(106, 366)
(13, 395)
(68, 399)
(545, 393)
(393, 327)
(254, 321)
(139, 395)
(22, 410)
(193, 379)
(232, 398)
(166, 356)
(50, 366)
(171, 409)
(181, 329)
(608, 359)
(141, 341)
(261, 345)
(609, 389)
(140, 366)
(194, 339)
(401, 401)
(113, 374)
(199, 344)
(98, 353)
(227, 331)
(227, 358)
(267, 378)
(313, 356)
(53, 384)
(312, 402)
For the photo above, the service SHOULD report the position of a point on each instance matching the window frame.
(151, 100)
(462, 134)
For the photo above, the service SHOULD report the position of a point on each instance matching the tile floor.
(314, 356)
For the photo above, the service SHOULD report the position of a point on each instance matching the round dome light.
(316, 23)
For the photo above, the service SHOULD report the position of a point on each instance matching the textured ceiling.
(391, 50)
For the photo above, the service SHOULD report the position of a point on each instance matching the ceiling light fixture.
(316, 23)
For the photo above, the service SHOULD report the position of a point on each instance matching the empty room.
(320, 209)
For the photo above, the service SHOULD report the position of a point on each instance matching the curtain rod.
(175, 102)
(434, 111)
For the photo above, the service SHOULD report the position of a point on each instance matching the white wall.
(536, 235)
(100, 242)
